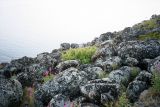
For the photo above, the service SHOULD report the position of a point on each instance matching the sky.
(29, 27)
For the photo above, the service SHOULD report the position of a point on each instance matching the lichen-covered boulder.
(22, 62)
(121, 75)
(109, 63)
(101, 92)
(10, 92)
(60, 101)
(141, 83)
(154, 65)
(67, 83)
(93, 72)
(130, 61)
(104, 52)
(67, 64)
(46, 60)
(74, 45)
(139, 50)
(31, 76)
(105, 36)
(88, 105)
(65, 46)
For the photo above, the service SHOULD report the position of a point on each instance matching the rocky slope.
(129, 58)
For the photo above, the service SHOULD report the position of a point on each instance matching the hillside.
(116, 69)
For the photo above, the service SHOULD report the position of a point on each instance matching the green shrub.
(147, 24)
(153, 35)
(156, 82)
(82, 54)
(103, 75)
(123, 101)
(134, 72)
(47, 78)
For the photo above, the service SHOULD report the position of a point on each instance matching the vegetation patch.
(147, 24)
(156, 82)
(134, 72)
(153, 35)
(47, 78)
(123, 101)
(82, 54)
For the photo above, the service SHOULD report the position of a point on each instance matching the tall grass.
(82, 54)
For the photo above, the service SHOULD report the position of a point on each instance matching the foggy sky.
(28, 27)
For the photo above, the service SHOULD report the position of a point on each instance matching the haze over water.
(29, 27)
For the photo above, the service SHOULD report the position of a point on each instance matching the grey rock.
(30, 77)
(109, 63)
(103, 52)
(130, 61)
(88, 105)
(74, 45)
(105, 36)
(141, 83)
(121, 75)
(46, 60)
(22, 62)
(67, 64)
(145, 77)
(11, 92)
(134, 90)
(139, 50)
(60, 101)
(154, 65)
(93, 72)
(67, 83)
(100, 92)
(79, 101)
(65, 46)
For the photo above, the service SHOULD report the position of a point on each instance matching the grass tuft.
(82, 54)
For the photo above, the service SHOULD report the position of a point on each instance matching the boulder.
(74, 45)
(56, 54)
(130, 62)
(31, 76)
(145, 77)
(121, 75)
(88, 105)
(94, 72)
(22, 62)
(141, 83)
(109, 63)
(11, 92)
(67, 64)
(139, 50)
(66, 82)
(104, 52)
(101, 92)
(65, 46)
(46, 60)
(154, 65)
(60, 101)
(134, 90)
(105, 36)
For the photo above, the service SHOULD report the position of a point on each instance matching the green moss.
(47, 78)
(134, 72)
(153, 35)
(156, 82)
(82, 54)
